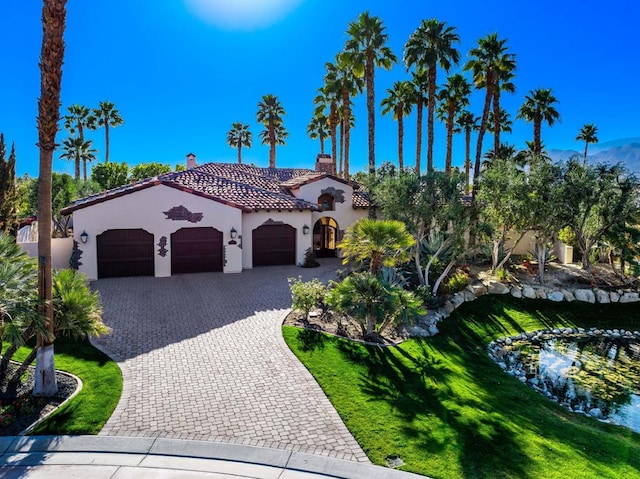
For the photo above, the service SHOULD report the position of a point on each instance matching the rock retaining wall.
(427, 326)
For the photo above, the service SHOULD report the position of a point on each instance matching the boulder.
(629, 297)
(449, 307)
(556, 296)
(528, 292)
(443, 313)
(568, 295)
(541, 293)
(584, 295)
(516, 292)
(457, 299)
(602, 296)
(433, 330)
(469, 296)
(614, 297)
(477, 289)
(417, 331)
(497, 288)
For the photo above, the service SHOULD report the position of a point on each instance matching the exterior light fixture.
(84, 237)
(233, 233)
(305, 230)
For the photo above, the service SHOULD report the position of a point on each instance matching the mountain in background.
(626, 151)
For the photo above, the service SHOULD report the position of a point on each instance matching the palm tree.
(345, 143)
(538, 107)
(51, 58)
(105, 116)
(318, 128)
(78, 119)
(399, 103)
(453, 96)
(80, 151)
(429, 46)
(503, 119)
(239, 136)
(270, 113)
(589, 134)
(419, 83)
(327, 101)
(489, 63)
(365, 50)
(468, 122)
(340, 77)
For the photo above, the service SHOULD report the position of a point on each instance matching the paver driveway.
(203, 358)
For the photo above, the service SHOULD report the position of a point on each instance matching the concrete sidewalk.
(100, 457)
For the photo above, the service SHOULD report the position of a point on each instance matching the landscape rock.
(477, 289)
(541, 293)
(457, 299)
(629, 297)
(497, 288)
(528, 292)
(433, 330)
(556, 296)
(417, 331)
(449, 307)
(516, 292)
(614, 297)
(585, 295)
(469, 296)
(602, 296)
(443, 313)
(568, 295)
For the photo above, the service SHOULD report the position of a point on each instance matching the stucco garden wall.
(145, 209)
(61, 249)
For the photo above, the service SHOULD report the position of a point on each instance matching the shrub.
(306, 295)
(503, 275)
(567, 236)
(456, 282)
(310, 259)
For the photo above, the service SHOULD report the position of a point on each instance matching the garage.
(125, 252)
(196, 250)
(274, 245)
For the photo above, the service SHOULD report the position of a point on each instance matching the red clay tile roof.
(241, 186)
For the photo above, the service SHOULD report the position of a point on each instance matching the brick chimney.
(324, 163)
(191, 161)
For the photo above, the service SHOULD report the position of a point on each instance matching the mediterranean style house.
(214, 217)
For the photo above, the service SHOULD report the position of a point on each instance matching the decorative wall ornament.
(338, 195)
(273, 222)
(181, 213)
(76, 254)
(162, 244)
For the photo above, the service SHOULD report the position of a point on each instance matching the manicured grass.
(449, 412)
(102, 386)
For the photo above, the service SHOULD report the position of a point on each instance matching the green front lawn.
(449, 412)
(102, 386)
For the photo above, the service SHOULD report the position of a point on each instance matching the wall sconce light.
(234, 233)
(84, 237)
(305, 230)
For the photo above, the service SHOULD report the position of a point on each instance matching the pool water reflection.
(593, 375)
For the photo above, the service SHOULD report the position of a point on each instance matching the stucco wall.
(61, 249)
(145, 209)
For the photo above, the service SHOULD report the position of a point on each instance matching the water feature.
(595, 374)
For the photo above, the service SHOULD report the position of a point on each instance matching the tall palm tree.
(589, 134)
(430, 45)
(340, 77)
(51, 58)
(453, 96)
(345, 138)
(365, 50)
(239, 136)
(327, 103)
(318, 128)
(108, 117)
(78, 118)
(399, 103)
(468, 122)
(80, 151)
(503, 83)
(538, 107)
(489, 62)
(270, 113)
(419, 83)
(503, 119)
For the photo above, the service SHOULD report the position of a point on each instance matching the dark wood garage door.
(274, 244)
(196, 250)
(125, 253)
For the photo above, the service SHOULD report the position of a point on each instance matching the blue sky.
(181, 71)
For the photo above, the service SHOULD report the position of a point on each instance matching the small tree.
(110, 175)
(149, 170)
(306, 295)
(8, 192)
(63, 192)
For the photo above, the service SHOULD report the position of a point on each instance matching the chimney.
(324, 163)
(191, 161)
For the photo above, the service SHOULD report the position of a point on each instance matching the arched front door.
(325, 237)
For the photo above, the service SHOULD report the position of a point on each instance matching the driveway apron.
(203, 358)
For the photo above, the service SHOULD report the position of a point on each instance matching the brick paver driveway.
(203, 358)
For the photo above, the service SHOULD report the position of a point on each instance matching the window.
(326, 202)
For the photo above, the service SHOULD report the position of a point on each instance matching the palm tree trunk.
(240, 152)
(334, 129)
(347, 142)
(272, 145)
(586, 147)
(342, 127)
(419, 135)
(106, 141)
(450, 115)
(537, 142)
(467, 158)
(481, 130)
(496, 119)
(400, 139)
(321, 144)
(430, 115)
(371, 125)
(23, 367)
(77, 167)
(84, 169)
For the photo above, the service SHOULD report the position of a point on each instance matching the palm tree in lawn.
(538, 107)
(430, 45)
(108, 117)
(399, 103)
(78, 118)
(79, 151)
(51, 58)
(419, 84)
(365, 50)
(270, 113)
(589, 134)
(327, 104)
(489, 62)
(341, 78)
(468, 123)
(318, 128)
(239, 136)
(453, 96)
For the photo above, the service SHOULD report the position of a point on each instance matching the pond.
(595, 373)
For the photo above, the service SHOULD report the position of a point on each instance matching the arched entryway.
(325, 237)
